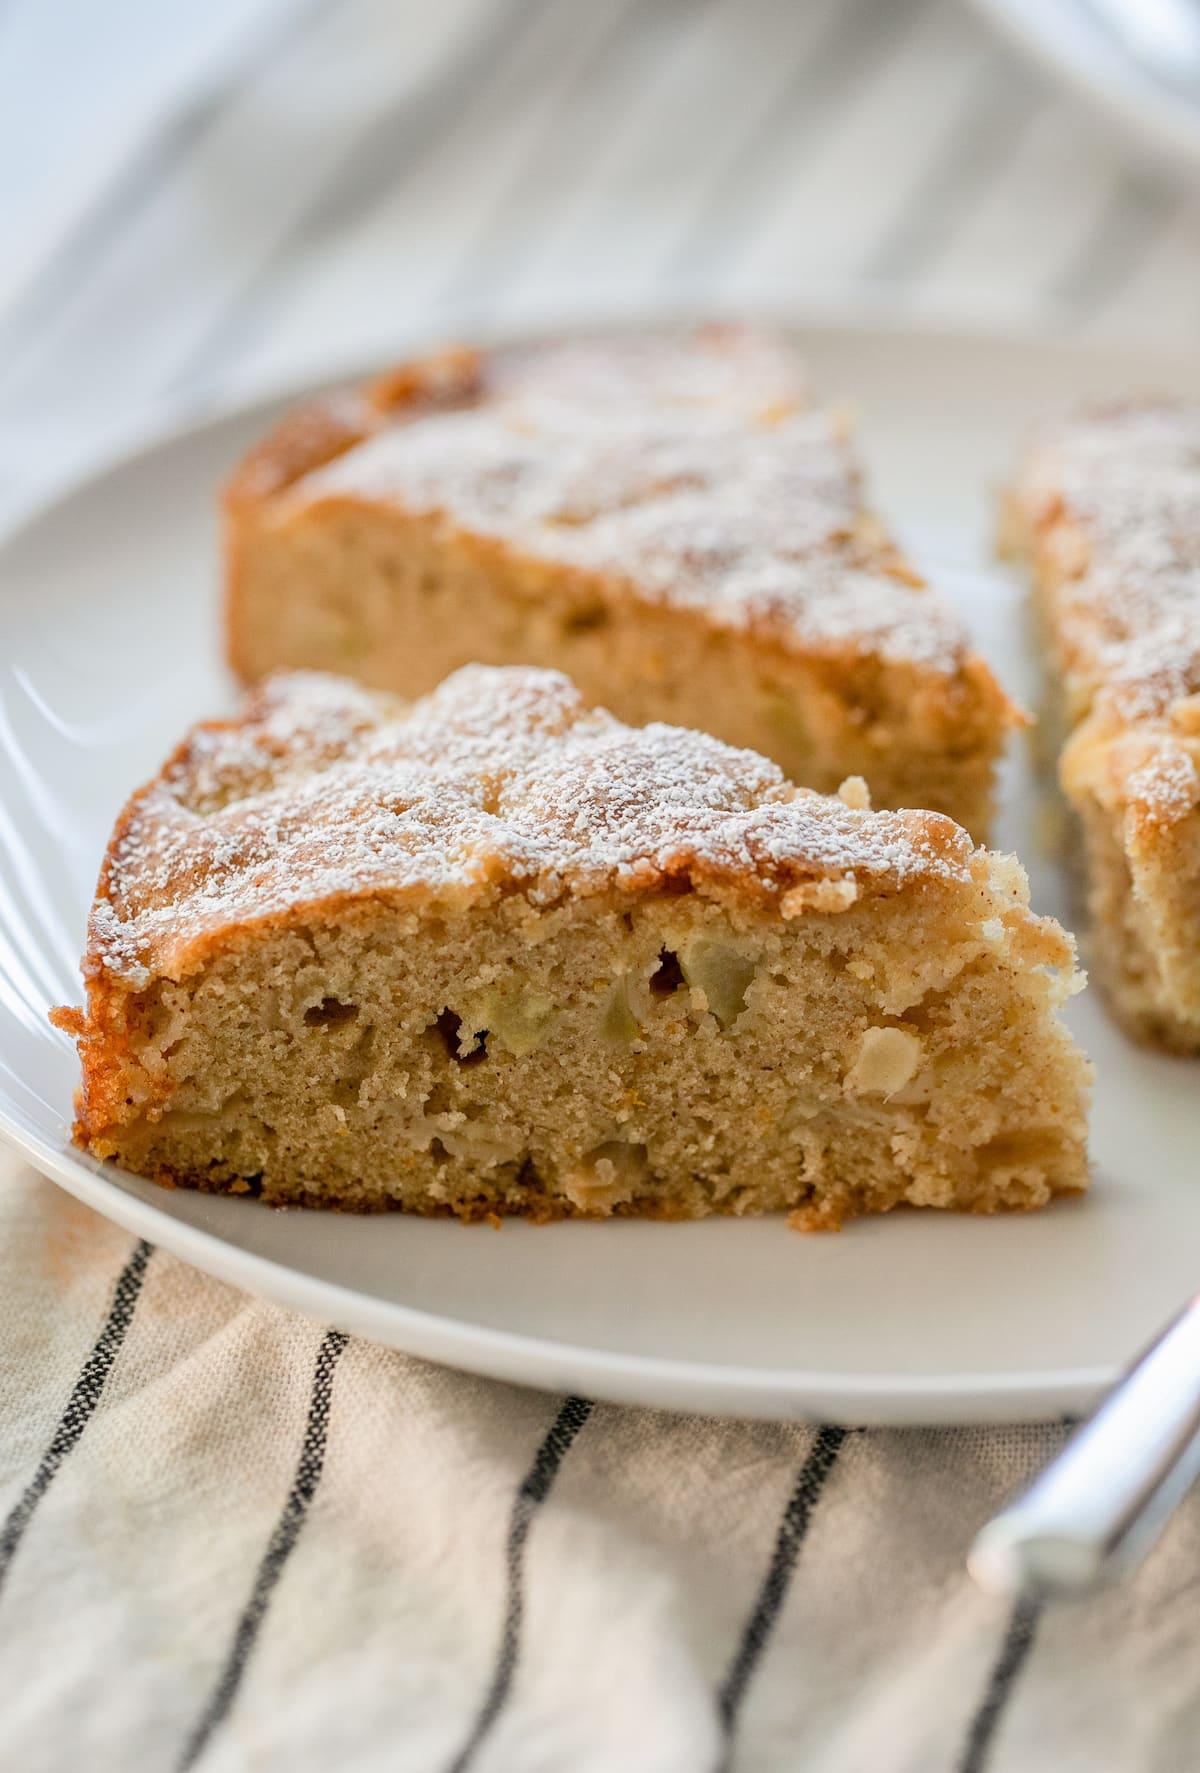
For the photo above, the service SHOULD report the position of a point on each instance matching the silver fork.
(1099, 1506)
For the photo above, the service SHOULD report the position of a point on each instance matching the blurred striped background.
(203, 199)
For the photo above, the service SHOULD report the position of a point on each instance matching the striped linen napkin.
(233, 1539)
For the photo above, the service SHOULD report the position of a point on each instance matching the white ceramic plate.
(109, 648)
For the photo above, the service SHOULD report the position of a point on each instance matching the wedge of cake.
(667, 519)
(1107, 506)
(497, 953)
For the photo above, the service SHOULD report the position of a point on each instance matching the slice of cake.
(1107, 506)
(667, 519)
(496, 953)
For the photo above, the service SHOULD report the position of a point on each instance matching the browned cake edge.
(967, 708)
(1132, 781)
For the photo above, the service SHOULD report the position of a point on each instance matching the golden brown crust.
(1107, 507)
(684, 469)
(320, 793)
(311, 436)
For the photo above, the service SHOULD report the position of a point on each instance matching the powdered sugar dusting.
(1167, 786)
(500, 781)
(1128, 478)
(689, 466)
(725, 364)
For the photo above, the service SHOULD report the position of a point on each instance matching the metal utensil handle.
(1100, 1505)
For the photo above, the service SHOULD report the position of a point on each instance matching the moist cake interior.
(500, 954)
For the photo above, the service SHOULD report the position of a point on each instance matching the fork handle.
(1100, 1505)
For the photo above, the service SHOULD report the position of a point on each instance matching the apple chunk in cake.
(1107, 507)
(497, 953)
(667, 519)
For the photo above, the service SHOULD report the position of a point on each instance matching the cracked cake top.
(320, 793)
(689, 467)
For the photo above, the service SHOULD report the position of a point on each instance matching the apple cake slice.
(1107, 507)
(497, 953)
(665, 518)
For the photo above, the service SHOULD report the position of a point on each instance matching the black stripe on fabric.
(65, 272)
(83, 1401)
(860, 37)
(279, 1550)
(1018, 1641)
(1138, 210)
(793, 1526)
(970, 156)
(533, 1492)
(390, 150)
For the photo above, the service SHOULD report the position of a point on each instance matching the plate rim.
(859, 313)
(783, 1393)
(678, 1384)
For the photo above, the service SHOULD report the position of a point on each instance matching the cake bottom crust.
(539, 1204)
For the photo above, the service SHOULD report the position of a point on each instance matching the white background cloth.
(229, 1540)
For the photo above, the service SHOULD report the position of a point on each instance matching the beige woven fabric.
(683, 1594)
